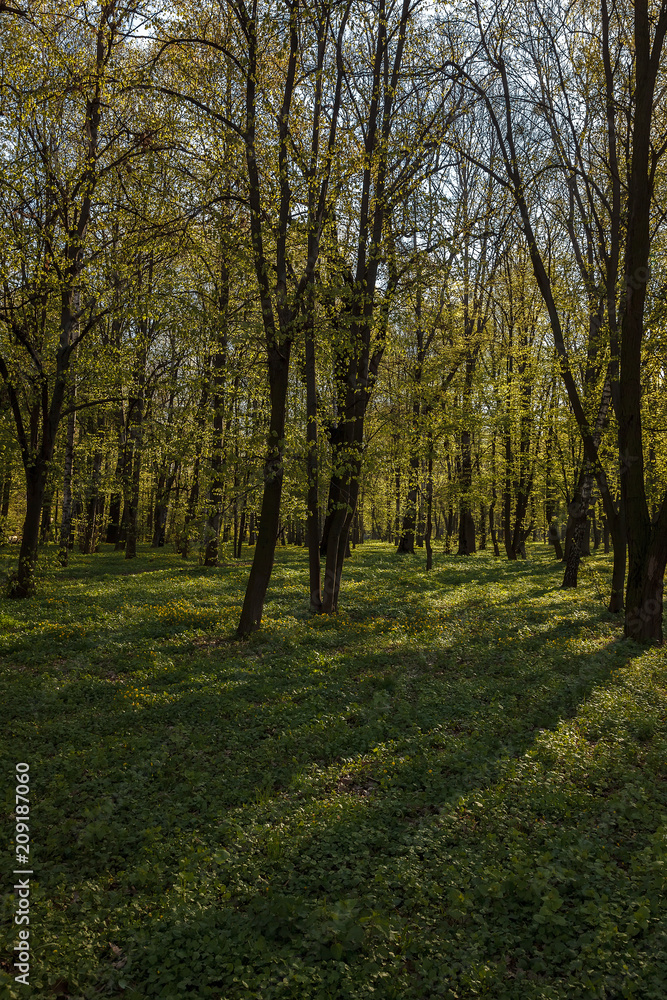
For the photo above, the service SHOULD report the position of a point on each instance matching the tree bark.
(264, 555)
(66, 523)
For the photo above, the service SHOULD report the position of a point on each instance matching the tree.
(62, 131)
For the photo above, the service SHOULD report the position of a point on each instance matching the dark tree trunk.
(134, 433)
(482, 526)
(586, 539)
(397, 505)
(597, 534)
(193, 500)
(24, 583)
(550, 505)
(45, 526)
(241, 535)
(578, 521)
(132, 528)
(161, 508)
(66, 523)
(494, 498)
(429, 507)
(94, 506)
(6, 491)
(449, 528)
(554, 539)
(507, 493)
(467, 545)
(116, 503)
(221, 425)
(492, 529)
(406, 541)
(647, 541)
(279, 336)
(312, 471)
(263, 558)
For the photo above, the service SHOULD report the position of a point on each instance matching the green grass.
(455, 788)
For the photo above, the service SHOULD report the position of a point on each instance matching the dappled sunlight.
(440, 777)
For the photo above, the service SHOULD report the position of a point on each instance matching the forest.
(333, 497)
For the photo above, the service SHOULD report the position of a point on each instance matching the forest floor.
(455, 788)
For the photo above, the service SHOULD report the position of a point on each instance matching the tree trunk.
(45, 525)
(467, 545)
(6, 490)
(578, 517)
(406, 541)
(510, 551)
(482, 526)
(312, 470)
(241, 535)
(264, 555)
(429, 508)
(23, 585)
(66, 523)
(647, 542)
(116, 504)
(133, 504)
(94, 506)
(597, 534)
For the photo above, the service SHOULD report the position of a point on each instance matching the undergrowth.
(454, 788)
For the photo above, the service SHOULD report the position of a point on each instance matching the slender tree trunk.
(133, 505)
(45, 526)
(429, 507)
(597, 534)
(95, 500)
(312, 471)
(467, 545)
(579, 519)
(549, 504)
(507, 494)
(264, 555)
(406, 541)
(241, 535)
(6, 490)
(193, 500)
(66, 523)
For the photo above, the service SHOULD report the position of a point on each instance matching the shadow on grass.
(301, 808)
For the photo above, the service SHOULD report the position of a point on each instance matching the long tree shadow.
(312, 892)
(214, 749)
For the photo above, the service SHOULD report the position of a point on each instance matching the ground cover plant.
(454, 788)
